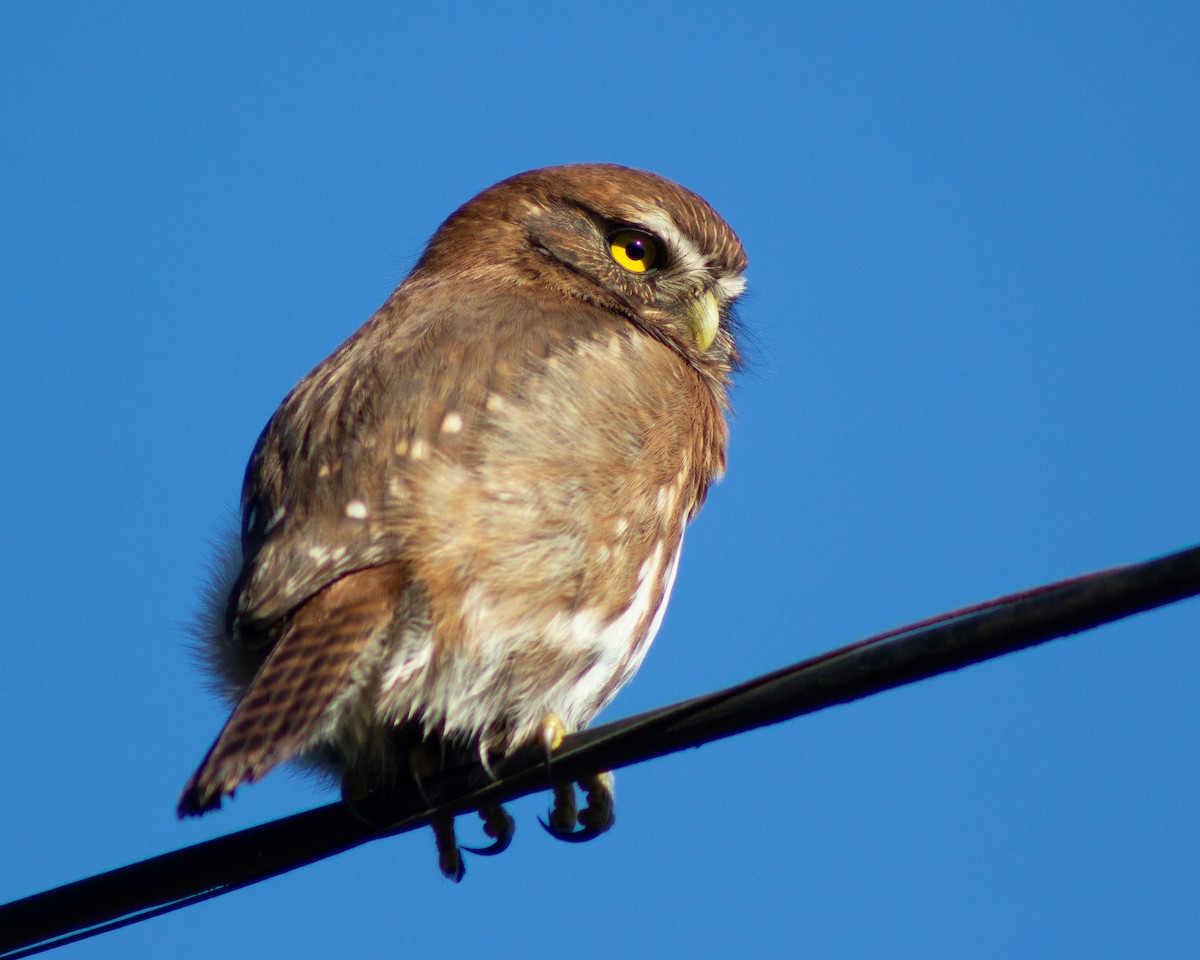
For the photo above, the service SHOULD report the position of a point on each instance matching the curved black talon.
(498, 824)
(497, 846)
(582, 835)
(462, 870)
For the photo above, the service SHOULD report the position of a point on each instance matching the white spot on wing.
(452, 422)
(356, 510)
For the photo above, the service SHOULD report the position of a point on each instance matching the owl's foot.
(597, 816)
(563, 815)
(600, 813)
(450, 860)
(498, 825)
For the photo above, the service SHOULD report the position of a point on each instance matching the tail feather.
(284, 709)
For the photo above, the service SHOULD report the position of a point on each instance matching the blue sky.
(974, 233)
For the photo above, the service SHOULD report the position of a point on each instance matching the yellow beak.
(704, 317)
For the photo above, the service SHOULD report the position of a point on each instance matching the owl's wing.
(287, 704)
(311, 497)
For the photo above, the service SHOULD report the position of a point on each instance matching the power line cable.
(948, 642)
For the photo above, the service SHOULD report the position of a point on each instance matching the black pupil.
(635, 249)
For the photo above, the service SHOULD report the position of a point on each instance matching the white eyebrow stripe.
(685, 253)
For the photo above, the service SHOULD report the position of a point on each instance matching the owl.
(459, 532)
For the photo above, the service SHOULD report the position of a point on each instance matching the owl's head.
(625, 240)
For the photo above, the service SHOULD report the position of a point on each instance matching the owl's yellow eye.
(633, 250)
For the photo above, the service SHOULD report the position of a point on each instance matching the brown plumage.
(467, 519)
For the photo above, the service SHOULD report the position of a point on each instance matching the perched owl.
(460, 530)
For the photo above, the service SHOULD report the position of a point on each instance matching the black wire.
(152, 887)
(125, 921)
